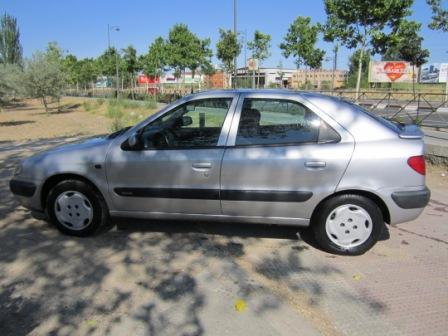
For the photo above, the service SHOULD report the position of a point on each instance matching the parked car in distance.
(253, 156)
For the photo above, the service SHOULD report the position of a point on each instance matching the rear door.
(282, 157)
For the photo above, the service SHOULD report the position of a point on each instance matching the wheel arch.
(55, 179)
(372, 196)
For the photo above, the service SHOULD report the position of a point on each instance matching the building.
(318, 79)
(217, 80)
(265, 77)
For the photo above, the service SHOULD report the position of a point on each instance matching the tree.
(439, 16)
(182, 48)
(280, 72)
(406, 45)
(10, 82)
(300, 43)
(361, 23)
(70, 66)
(228, 48)
(10, 47)
(88, 71)
(131, 65)
(107, 62)
(44, 75)
(155, 60)
(260, 49)
(201, 57)
(353, 65)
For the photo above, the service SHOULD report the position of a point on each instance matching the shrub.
(87, 106)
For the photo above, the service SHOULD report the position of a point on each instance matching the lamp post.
(117, 29)
(236, 36)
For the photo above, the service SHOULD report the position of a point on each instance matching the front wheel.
(76, 208)
(348, 224)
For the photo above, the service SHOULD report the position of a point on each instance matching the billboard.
(390, 72)
(434, 73)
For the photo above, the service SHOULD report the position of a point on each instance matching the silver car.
(254, 156)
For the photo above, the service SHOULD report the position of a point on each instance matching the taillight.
(418, 164)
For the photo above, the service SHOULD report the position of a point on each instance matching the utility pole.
(335, 64)
(236, 36)
(117, 29)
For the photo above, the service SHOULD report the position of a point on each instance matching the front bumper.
(22, 188)
(414, 199)
(27, 193)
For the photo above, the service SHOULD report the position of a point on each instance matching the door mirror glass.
(185, 121)
(134, 140)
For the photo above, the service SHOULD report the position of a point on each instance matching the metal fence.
(424, 108)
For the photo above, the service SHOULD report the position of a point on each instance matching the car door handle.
(315, 164)
(202, 165)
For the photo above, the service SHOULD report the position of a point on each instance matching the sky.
(80, 26)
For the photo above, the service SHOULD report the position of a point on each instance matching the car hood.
(73, 157)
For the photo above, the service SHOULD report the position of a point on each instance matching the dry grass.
(79, 116)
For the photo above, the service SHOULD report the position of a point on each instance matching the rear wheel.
(76, 208)
(348, 224)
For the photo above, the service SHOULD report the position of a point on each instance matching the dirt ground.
(189, 278)
(29, 121)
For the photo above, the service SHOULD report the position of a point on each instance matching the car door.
(175, 168)
(282, 157)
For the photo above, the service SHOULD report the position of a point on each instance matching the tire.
(76, 208)
(347, 224)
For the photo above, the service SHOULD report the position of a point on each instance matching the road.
(188, 278)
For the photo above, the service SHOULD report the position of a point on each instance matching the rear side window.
(272, 121)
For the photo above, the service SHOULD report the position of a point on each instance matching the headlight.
(18, 169)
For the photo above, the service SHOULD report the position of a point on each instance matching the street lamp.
(117, 29)
(236, 36)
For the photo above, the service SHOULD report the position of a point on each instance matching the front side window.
(194, 124)
(276, 121)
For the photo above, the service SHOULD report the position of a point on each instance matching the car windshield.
(118, 133)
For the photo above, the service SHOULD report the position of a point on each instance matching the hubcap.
(348, 225)
(73, 210)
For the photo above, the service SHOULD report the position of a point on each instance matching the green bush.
(150, 103)
(87, 106)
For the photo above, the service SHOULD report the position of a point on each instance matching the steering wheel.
(165, 138)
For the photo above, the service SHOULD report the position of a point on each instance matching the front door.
(282, 158)
(176, 167)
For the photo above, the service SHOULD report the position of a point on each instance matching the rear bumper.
(414, 199)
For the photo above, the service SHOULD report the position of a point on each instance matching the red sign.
(394, 70)
(143, 79)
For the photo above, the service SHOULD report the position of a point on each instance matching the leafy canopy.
(260, 45)
(439, 16)
(300, 43)
(228, 48)
(155, 60)
(44, 75)
(10, 47)
(406, 44)
(362, 22)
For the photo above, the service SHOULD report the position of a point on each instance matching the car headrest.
(250, 118)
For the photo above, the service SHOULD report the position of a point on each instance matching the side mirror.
(134, 140)
(183, 121)
(187, 121)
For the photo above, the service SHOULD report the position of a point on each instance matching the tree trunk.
(358, 80)
(413, 80)
(44, 101)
